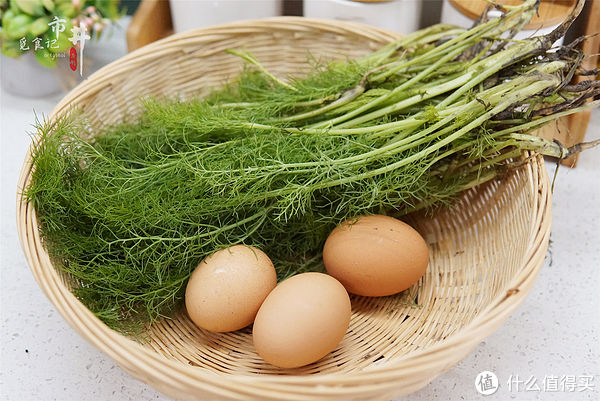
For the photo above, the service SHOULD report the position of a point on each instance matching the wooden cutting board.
(571, 129)
(550, 12)
(151, 22)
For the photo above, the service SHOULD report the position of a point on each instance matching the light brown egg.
(375, 255)
(227, 288)
(302, 320)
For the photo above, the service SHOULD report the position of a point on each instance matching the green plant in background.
(31, 25)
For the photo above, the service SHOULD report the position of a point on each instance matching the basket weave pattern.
(485, 252)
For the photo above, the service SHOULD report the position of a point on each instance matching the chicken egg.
(375, 255)
(227, 288)
(302, 320)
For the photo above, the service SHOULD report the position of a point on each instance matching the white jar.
(24, 76)
(396, 15)
(191, 14)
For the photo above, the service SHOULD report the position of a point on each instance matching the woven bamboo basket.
(485, 252)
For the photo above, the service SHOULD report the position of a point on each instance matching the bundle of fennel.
(279, 163)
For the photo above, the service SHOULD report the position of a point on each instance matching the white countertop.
(555, 332)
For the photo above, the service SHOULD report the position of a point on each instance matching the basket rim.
(134, 358)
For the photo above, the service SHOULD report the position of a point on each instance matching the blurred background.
(403, 16)
(32, 46)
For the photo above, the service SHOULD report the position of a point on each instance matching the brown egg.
(375, 255)
(227, 288)
(302, 320)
